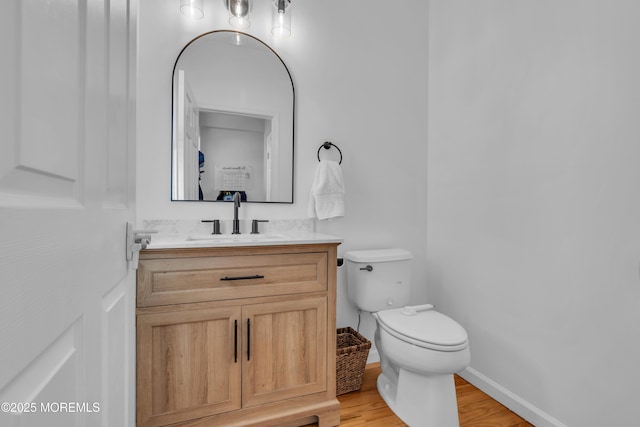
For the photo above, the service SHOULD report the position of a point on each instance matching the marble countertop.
(199, 240)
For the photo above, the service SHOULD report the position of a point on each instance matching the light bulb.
(239, 13)
(281, 18)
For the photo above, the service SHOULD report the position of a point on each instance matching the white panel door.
(66, 194)
(186, 164)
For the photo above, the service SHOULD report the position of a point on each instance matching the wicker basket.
(352, 350)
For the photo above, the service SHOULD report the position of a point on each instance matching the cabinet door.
(286, 350)
(187, 364)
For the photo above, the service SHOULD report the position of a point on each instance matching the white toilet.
(420, 349)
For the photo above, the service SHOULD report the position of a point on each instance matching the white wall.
(534, 198)
(360, 81)
(533, 232)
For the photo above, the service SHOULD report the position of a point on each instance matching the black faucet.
(236, 205)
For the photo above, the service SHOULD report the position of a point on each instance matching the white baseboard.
(526, 410)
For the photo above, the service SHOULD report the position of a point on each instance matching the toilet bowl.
(420, 349)
(419, 355)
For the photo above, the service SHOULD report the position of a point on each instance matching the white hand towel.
(326, 200)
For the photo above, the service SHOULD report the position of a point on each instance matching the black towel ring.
(327, 145)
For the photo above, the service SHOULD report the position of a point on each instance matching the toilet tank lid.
(378, 255)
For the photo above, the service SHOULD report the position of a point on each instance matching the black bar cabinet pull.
(257, 276)
(235, 341)
(248, 339)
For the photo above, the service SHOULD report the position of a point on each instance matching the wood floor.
(475, 408)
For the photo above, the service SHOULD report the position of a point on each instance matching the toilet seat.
(428, 329)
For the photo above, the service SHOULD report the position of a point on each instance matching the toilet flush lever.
(368, 268)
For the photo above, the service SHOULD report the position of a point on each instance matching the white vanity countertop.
(182, 240)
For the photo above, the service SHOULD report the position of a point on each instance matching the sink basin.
(234, 237)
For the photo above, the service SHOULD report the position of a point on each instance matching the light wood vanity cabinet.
(238, 336)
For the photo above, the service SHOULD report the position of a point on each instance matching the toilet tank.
(379, 279)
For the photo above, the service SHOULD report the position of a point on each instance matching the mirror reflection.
(233, 121)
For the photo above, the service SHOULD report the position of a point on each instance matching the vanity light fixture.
(281, 18)
(192, 8)
(239, 13)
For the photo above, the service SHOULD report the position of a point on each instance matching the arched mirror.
(233, 121)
